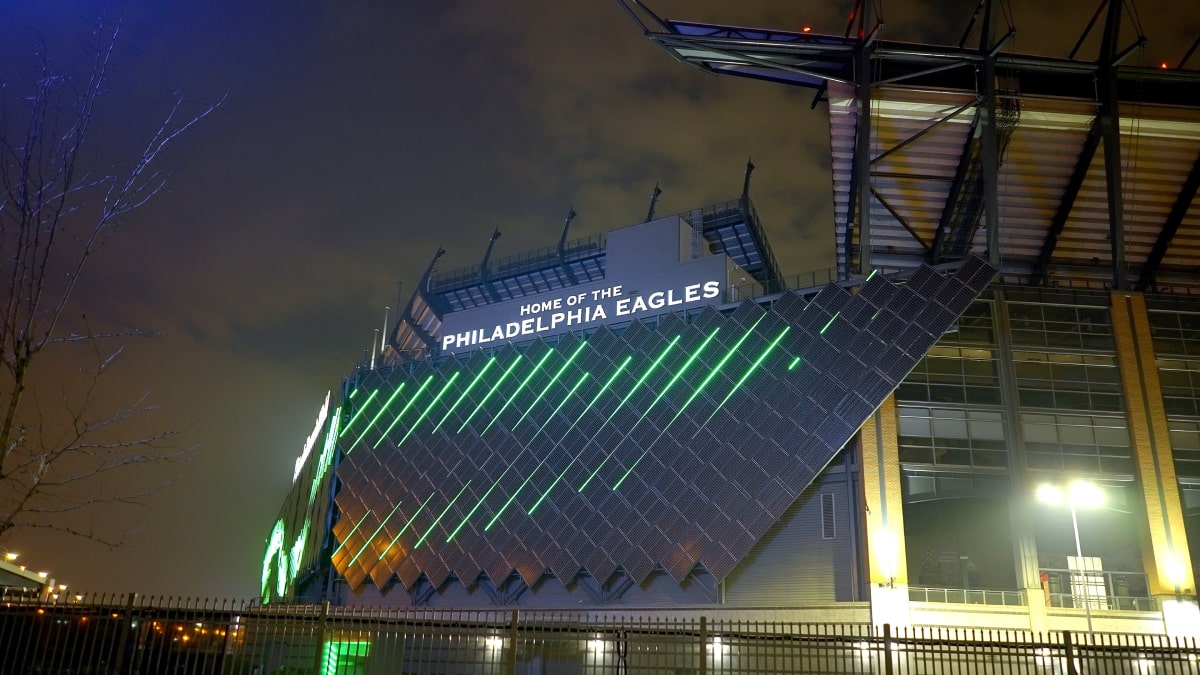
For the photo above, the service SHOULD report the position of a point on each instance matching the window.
(1180, 383)
(828, 522)
(1060, 326)
(1068, 381)
(952, 437)
(953, 375)
(1077, 443)
(1175, 333)
(1185, 446)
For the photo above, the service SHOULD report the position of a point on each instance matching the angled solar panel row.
(675, 445)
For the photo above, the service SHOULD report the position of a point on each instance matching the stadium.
(660, 417)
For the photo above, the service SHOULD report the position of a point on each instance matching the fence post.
(319, 655)
(887, 649)
(510, 661)
(1069, 653)
(127, 628)
(703, 645)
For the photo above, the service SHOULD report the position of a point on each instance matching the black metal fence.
(129, 634)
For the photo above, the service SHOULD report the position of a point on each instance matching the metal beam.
(989, 134)
(1082, 164)
(1110, 129)
(1183, 202)
(934, 253)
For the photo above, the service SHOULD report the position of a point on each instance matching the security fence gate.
(129, 634)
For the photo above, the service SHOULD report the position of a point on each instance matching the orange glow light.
(807, 29)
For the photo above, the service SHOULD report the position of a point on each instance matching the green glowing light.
(746, 375)
(353, 393)
(657, 361)
(872, 274)
(720, 365)
(345, 657)
(564, 400)
(403, 410)
(361, 409)
(491, 391)
(274, 547)
(326, 459)
(298, 551)
(686, 364)
(549, 384)
(513, 396)
(831, 320)
(477, 505)
(510, 499)
(876, 314)
(462, 397)
(352, 531)
(379, 414)
(442, 514)
(646, 375)
(440, 394)
(795, 362)
(374, 534)
(630, 470)
(603, 389)
(406, 525)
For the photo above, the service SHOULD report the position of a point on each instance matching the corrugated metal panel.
(794, 564)
(1159, 146)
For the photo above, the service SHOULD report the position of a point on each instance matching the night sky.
(359, 135)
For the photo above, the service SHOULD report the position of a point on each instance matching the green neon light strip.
(746, 375)
(491, 391)
(872, 274)
(477, 505)
(549, 384)
(352, 531)
(686, 364)
(720, 364)
(563, 402)
(646, 375)
(513, 396)
(510, 499)
(403, 410)
(379, 414)
(406, 526)
(611, 379)
(374, 534)
(353, 393)
(876, 314)
(795, 362)
(632, 467)
(361, 410)
(328, 449)
(466, 391)
(428, 408)
(831, 320)
(636, 385)
(442, 514)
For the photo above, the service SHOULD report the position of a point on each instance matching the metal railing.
(968, 596)
(128, 634)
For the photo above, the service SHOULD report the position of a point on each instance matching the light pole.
(1078, 493)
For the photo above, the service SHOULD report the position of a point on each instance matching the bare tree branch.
(56, 212)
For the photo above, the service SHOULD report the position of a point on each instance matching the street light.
(1078, 493)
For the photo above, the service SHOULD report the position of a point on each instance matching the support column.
(887, 561)
(1165, 545)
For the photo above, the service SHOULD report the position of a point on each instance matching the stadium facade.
(661, 418)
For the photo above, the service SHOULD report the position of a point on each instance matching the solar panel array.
(673, 444)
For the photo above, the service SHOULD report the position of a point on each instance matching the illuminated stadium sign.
(578, 309)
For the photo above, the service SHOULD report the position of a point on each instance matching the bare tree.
(62, 446)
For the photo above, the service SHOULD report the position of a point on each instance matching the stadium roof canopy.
(1074, 142)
